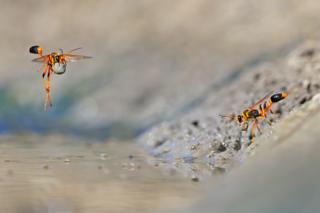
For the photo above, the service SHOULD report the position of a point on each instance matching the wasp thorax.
(59, 68)
(253, 113)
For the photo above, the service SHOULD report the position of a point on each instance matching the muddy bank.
(200, 143)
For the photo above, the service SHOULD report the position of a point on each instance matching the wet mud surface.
(55, 173)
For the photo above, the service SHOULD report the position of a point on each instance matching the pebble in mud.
(218, 146)
(194, 147)
(130, 166)
(195, 123)
(211, 154)
(218, 171)
(194, 178)
(304, 100)
(67, 160)
(103, 156)
(308, 52)
(237, 145)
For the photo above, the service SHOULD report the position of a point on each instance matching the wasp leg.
(46, 85)
(251, 136)
(244, 126)
(259, 128)
(271, 111)
(42, 68)
(269, 121)
(45, 71)
(47, 100)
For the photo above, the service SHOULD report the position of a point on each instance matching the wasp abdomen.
(278, 97)
(35, 49)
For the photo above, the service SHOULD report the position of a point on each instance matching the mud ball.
(59, 68)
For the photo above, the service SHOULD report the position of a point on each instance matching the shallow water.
(59, 174)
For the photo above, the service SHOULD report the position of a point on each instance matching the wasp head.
(240, 119)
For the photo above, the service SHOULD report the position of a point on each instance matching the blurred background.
(152, 60)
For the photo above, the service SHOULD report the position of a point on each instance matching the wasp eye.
(240, 118)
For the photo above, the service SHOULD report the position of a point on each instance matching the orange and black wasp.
(55, 62)
(256, 112)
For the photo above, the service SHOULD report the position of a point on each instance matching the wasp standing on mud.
(254, 113)
(55, 62)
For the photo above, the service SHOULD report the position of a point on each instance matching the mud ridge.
(200, 143)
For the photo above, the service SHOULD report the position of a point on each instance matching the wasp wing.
(260, 101)
(41, 59)
(72, 57)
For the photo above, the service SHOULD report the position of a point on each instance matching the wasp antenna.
(231, 117)
(223, 116)
(75, 49)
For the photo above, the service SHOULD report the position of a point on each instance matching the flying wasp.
(256, 112)
(55, 62)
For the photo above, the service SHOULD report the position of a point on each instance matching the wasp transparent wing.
(260, 101)
(41, 59)
(72, 57)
